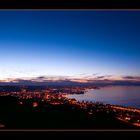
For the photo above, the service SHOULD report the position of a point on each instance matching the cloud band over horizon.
(93, 79)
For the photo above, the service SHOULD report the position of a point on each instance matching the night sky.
(69, 43)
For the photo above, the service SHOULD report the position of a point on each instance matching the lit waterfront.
(128, 96)
(59, 97)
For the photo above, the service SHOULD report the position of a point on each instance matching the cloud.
(100, 77)
(71, 80)
(95, 74)
(41, 77)
(104, 77)
(131, 77)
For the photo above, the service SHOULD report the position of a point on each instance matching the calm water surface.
(128, 96)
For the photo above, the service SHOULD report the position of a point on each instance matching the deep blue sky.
(34, 43)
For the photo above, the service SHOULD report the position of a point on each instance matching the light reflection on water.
(128, 96)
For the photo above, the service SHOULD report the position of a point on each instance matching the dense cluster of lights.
(57, 97)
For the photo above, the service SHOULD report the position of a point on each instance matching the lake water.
(128, 96)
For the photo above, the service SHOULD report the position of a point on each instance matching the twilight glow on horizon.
(73, 44)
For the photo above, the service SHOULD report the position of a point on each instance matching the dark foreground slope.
(16, 116)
